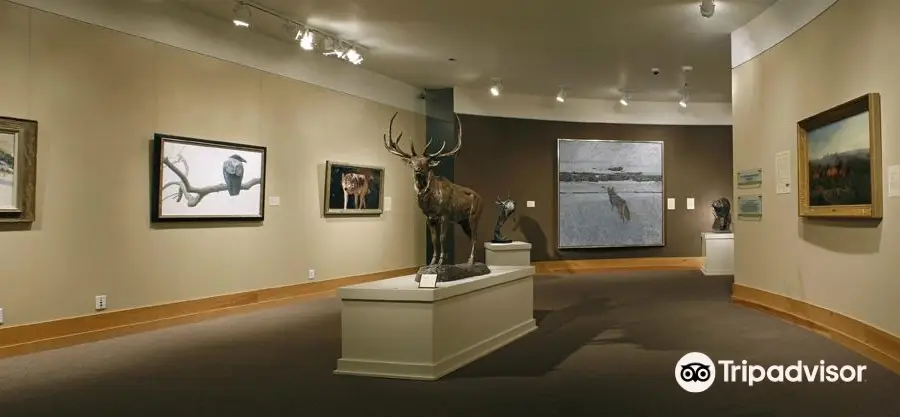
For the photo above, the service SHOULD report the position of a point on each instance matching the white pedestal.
(393, 329)
(513, 253)
(718, 251)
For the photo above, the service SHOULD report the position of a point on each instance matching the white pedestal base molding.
(718, 252)
(393, 329)
(513, 253)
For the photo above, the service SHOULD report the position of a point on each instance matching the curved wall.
(843, 266)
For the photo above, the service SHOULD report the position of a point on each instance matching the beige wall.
(848, 267)
(99, 96)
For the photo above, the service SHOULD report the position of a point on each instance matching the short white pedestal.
(393, 329)
(718, 251)
(513, 253)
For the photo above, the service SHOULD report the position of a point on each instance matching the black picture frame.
(186, 193)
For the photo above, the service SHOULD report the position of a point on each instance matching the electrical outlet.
(100, 302)
(1, 316)
(312, 274)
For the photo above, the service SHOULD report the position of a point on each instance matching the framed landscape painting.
(352, 189)
(18, 170)
(196, 180)
(839, 161)
(610, 194)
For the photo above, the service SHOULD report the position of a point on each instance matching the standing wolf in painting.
(617, 203)
(356, 186)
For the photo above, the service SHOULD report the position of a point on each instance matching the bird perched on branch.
(233, 171)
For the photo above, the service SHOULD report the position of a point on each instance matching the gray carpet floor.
(607, 345)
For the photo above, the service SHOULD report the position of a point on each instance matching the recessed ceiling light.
(451, 59)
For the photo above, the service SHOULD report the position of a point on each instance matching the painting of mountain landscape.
(840, 163)
(610, 193)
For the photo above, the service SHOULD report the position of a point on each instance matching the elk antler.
(391, 144)
(440, 153)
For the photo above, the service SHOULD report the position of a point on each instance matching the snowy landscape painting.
(18, 169)
(207, 180)
(610, 193)
(8, 194)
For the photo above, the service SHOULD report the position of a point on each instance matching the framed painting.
(839, 161)
(197, 180)
(352, 189)
(18, 170)
(610, 194)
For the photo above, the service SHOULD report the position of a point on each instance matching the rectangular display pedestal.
(718, 251)
(393, 329)
(513, 253)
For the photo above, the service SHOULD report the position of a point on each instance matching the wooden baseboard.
(30, 338)
(873, 343)
(591, 265)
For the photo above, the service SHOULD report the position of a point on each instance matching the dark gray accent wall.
(518, 156)
(440, 127)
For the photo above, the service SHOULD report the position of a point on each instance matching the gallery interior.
(391, 208)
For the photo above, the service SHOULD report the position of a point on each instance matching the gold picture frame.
(18, 170)
(839, 161)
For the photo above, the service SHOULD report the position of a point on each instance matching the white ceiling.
(596, 48)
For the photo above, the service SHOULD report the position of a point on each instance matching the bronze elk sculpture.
(442, 202)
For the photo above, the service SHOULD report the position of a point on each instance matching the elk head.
(420, 164)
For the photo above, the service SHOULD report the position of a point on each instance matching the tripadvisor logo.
(696, 372)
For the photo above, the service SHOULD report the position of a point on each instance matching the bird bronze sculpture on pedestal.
(507, 208)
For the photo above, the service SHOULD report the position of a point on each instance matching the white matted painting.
(199, 179)
(18, 169)
(8, 186)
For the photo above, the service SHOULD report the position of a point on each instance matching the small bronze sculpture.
(722, 210)
(443, 203)
(507, 208)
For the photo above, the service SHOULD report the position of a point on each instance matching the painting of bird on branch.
(199, 179)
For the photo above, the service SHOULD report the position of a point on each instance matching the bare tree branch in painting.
(184, 190)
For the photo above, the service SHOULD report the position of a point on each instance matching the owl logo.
(695, 372)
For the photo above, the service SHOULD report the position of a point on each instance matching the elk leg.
(473, 225)
(435, 242)
(443, 225)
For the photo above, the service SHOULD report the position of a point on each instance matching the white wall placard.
(529, 203)
(274, 200)
(783, 172)
(670, 204)
(387, 203)
(690, 203)
(894, 181)
(428, 281)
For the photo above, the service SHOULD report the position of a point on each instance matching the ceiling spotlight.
(707, 8)
(624, 100)
(683, 103)
(561, 96)
(333, 48)
(496, 87)
(353, 56)
(306, 38)
(241, 15)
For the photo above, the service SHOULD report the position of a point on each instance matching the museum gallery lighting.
(306, 36)
(624, 100)
(684, 89)
(707, 8)
(561, 95)
(241, 15)
(496, 87)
